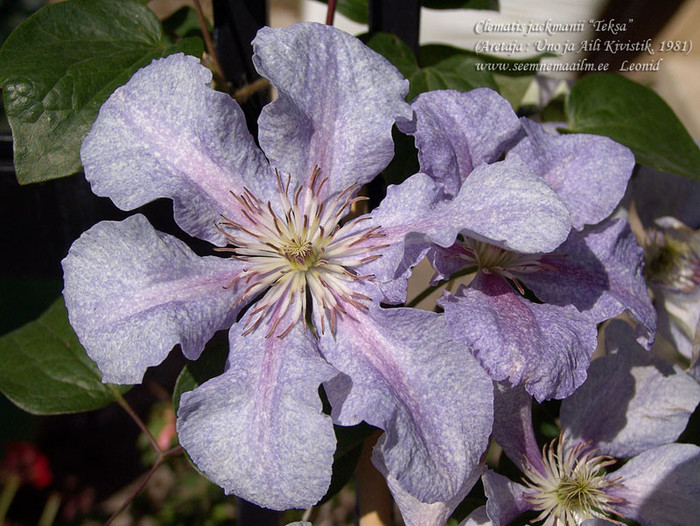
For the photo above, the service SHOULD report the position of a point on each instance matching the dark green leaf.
(355, 10)
(430, 54)
(447, 71)
(489, 5)
(210, 364)
(45, 370)
(183, 23)
(458, 72)
(61, 64)
(635, 116)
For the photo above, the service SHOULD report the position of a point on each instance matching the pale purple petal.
(478, 517)
(661, 486)
(632, 401)
(417, 513)
(166, 133)
(589, 172)
(502, 204)
(546, 348)
(598, 271)
(505, 498)
(258, 430)
(338, 101)
(401, 369)
(133, 293)
(457, 131)
(679, 314)
(512, 425)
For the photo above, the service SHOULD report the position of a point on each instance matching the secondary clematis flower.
(593, 276)
(302, 288)
(632, 406)
(665, 224)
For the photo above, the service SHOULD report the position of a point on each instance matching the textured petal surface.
(258, 430)
(512, 425)
(598, 271)
(498, 203)
(434, 402)
(166, 133)
(457, 131)
(662, 486)
(589, 172)
(338, 101)
(648, 404)
(546, 348)
(478, 517)
(417, 513)
(505, 498)
(133, 293)
(679, 314)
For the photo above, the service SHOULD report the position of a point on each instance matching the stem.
(9, 490)
(374, 499)
(432, 288)
(219, 73)
(125, 405)
(50, 510)
(162, 457)
(330, 14)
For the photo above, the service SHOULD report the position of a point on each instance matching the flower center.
(574, 486)
(298, 251)
(670, 261)
(491, 259)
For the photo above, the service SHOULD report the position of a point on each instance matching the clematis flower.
(665, 225)
(594, 275)
(632, 406)
(302, 288)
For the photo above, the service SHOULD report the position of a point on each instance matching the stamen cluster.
(300, 250)
(573, 487)
(670, 261)
(496, 260)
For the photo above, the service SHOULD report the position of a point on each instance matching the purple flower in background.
(592, 276)
(666, 225)
(632, 406)
(302, 287)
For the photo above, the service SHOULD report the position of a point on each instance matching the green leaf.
(488, 5)
(61, 64)
(355, 10)
(210, 364)
(458, 72)
(440, 71)
(183, 23)
(46, 371)
(635, 116)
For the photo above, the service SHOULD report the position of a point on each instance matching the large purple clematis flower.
(592, 276)
(632, 406)
(301, 291)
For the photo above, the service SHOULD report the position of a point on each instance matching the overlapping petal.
(589, 172)
(336, 107)
(133, 293)
(661, 486)
(457, 131)
(258, 430)
(166, 133)
(546, 348)
(647, 405)
(399, 369)
(502, 203)
(599, 271)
